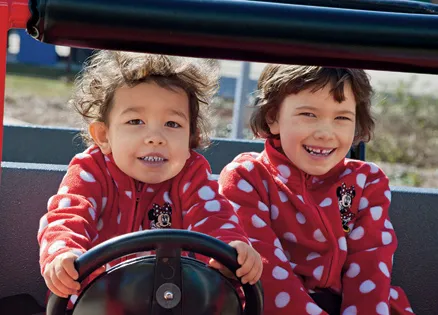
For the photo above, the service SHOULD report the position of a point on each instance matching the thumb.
(69, 266)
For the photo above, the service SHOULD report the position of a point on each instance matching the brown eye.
(135, 122)
(173, 124)
(342, 118)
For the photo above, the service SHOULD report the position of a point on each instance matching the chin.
(317, 172)
(154, 180)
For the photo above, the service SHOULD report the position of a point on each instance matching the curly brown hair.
(278, 81)
(106, 71)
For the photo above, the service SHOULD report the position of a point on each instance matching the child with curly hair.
(145, 116)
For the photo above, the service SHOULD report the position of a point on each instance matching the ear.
(99, 132)
(274, 127)
(272, 120)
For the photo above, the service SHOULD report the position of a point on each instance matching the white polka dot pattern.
(63, 190)
(57, 245)
(257, 221)
(303, 237)
(290, 237)
(212, 206)
(363, 203)
(280, 255)
(87, 177)
(317, 272)
(367, 286)
(283, 197)
(384, 269)
(282, 299)
(64, 203)
(284, 171)
(317, 235)
(274, 212)
(353, 271)
(206, 193)
(313, 309)
(262, 206)
(326, 202)
(301, 218)
(360, 180)
(386, 238)
(357, 233)
(351, 310)
(342, 243)
(280, 273)
(243, 185)
(376, 212)
(382, 309)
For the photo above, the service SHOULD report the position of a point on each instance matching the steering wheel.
(162, 284)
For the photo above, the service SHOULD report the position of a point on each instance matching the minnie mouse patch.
(160, 217)
(345, 200)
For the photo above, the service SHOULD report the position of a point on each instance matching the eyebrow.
(179, 113)
(341, 112)
(135, 109)
(138, 109)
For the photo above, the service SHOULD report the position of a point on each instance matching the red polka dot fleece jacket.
(331, 231)
(97, 201)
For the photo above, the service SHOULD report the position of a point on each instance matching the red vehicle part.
(13, 14)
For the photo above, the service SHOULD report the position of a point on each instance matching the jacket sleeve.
(371, 246)
(204, 209)
(284, 292)
(72, 221)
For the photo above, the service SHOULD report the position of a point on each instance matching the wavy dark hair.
(277, 81)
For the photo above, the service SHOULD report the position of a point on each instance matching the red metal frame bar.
(13, 14)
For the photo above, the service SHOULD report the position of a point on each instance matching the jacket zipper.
(329, 236)
(137, 192)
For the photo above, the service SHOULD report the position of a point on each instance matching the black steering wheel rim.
(153, 239)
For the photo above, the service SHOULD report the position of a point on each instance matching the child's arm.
(283, 290)
(70, 225)
(208, 212)
(371, 246)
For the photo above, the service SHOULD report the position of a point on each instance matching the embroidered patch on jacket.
(160, 217)
(345, 200)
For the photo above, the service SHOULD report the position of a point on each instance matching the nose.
(154, 137)
(324, 131)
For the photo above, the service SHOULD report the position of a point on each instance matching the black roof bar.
(405, 6)
(244, 30)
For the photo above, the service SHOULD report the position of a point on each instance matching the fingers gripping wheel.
(163, 284)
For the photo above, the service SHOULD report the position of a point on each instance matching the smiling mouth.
(318, 152)
(153, 159)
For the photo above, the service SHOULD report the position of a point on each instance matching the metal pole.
(13, 14)
(4, 27)
(240, 100)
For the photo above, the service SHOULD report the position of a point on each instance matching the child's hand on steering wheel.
(250, 261)
(60, 275)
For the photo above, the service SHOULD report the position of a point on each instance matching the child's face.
(148, 133)
(316, 131)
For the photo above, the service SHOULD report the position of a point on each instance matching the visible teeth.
(317, 151)
(153, 159)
